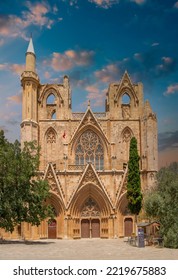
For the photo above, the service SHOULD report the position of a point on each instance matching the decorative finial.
(89, 103)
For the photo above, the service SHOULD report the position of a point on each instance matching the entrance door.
(52, 234)
(95, 228)
(128, 225)
(85, 228)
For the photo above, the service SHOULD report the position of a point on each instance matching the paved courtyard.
(93, 249)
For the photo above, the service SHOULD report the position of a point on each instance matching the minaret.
(30, 84)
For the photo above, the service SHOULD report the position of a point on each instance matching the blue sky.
(93, 42)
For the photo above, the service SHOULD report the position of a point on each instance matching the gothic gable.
(88, 121)
(122, 188)
(126, 86)
(90, 176)
(54, 183)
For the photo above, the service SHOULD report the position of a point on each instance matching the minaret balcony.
(29, 75)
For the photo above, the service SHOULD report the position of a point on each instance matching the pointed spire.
(30, 57)
(30, 47)
(89, 104)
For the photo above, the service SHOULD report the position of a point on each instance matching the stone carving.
(52, 181)
(27, 74)
(152, 176)
(50, 111)
(90, 209)
(89, 119)
(126, 112)
(51, 136)
(90, 176)
(127, 135)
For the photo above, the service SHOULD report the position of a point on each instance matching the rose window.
(90, 150)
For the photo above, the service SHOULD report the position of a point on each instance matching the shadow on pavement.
(25, 242)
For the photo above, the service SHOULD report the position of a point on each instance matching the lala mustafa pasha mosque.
(84, 156)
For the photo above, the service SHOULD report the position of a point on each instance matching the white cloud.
(104, 3)
(12, 26)
(108, 73)
(155, 44)
(14, 68)
(15, 99)
(37, 14)
(167, 65)
(172, 89)
(69, 59)
(95, 95)
(47, 75)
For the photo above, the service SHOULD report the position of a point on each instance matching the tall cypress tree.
(134, 194)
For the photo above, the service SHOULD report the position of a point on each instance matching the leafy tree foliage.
(22, 193)
(162, 204)
(134, 194)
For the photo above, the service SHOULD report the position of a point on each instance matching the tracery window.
(90, 208)
(51, 136)
(127, 135)
(90, 149)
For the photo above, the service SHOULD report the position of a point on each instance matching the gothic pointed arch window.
(50, 146)
(51, 105)
(51, 136)
(50, 99)
(125, 104)
(125, 98)
(89, 148)
(127, 134)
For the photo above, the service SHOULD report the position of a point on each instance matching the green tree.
(134, 194)
(162, 204)
(22, 193)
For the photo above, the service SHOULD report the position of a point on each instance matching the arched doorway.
(90, 221)
(128, 226)
(52, 232)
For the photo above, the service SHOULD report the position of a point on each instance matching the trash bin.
(141, 241)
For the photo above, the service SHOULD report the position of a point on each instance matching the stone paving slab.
(84, 249)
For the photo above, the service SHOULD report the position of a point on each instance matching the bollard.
(141, 241)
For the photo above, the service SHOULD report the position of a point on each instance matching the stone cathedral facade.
(84, 155)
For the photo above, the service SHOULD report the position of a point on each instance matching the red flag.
(64, 135)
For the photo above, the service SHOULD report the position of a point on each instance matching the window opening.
(53, 116)
(51, 99)
(90, 149)
(125, 99)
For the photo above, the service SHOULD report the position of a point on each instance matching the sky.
(93, 42)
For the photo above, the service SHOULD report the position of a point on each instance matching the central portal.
(90, 221)
(90, 228)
